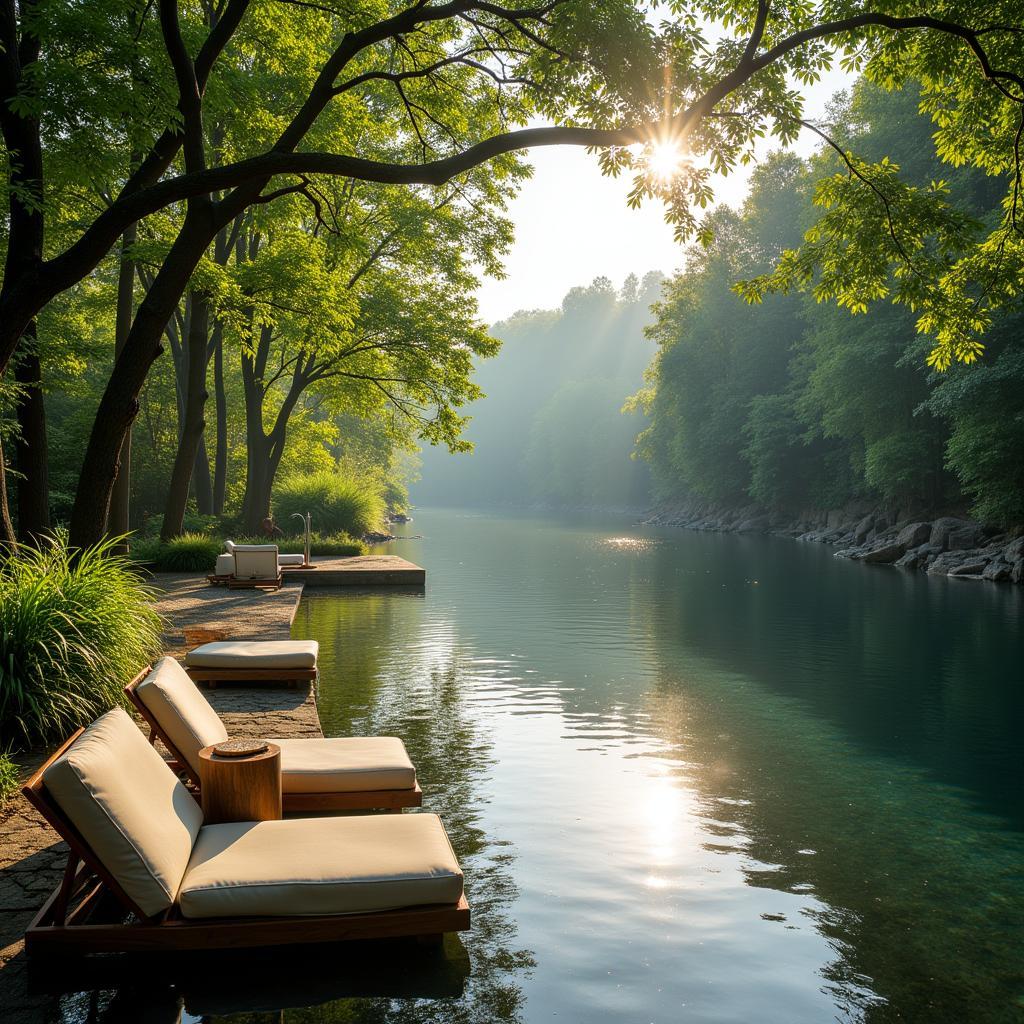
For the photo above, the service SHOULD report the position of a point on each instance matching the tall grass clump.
(75, 626)
(8, 776)
(339, 504)
(188, 552)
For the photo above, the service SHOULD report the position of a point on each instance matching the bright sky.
(572, 224)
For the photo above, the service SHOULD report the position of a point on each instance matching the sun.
(664, 160)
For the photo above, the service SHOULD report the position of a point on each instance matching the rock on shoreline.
(946, 546)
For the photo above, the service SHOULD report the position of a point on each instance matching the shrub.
(338, 504)
(8, 776)
(74, 628)
(190, 552)
(335, 544)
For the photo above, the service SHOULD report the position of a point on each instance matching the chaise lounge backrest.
(256, 562)
(171, 697)
(137, 818)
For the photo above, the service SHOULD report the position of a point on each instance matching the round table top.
(208, 754)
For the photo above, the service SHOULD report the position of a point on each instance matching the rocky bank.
(942, 546)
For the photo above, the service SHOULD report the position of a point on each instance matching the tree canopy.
(792, 403)
(138, 137)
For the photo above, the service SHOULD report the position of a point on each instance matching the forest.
(243, 238)
(549, 432)
(793, 403)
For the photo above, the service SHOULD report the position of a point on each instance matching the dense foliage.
(794, 403)
(76, 626)
(550, 430)
(295, 198)
(188, 552)
(338, 503)
(9, 776)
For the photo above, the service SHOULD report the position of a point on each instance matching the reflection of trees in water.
(369, 686)
(905, 666)
(918, 890)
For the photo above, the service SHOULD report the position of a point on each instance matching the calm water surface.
(690, 778)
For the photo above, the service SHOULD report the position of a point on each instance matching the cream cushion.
(225, 565)
(291, 559)
(260, 564)
(355, 764)
(134, 814)
(229, 546)
(254, 654)
(181, 711)
(315, 866)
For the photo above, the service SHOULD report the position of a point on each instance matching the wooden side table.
(240, 788)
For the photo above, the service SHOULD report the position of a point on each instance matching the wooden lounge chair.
(139, 847)
(350, 773)
(224, 569)
(256, 566)
(253, 661)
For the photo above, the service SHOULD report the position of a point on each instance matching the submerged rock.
(849, 553)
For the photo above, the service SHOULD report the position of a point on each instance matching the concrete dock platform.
(360, 571)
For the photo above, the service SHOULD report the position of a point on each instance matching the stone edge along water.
(946, 546)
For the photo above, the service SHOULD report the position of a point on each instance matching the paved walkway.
(31, 859)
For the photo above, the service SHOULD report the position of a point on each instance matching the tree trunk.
(193, 425)
(256, 504)
(202, 484)
(263, 450)
(33, 502)
(119, 520)
(220, 462)
(20, 291)
(120, 402)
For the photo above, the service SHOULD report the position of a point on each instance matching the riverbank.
(942, 546)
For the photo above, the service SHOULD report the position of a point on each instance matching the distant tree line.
(795, 403)
(550, 431)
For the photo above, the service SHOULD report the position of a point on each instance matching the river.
(700, 777)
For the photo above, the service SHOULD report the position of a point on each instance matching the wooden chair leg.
(60, 906)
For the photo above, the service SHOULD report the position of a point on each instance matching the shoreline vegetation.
(197, 552)
(788, 403)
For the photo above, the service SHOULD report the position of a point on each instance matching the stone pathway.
(31, 858)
